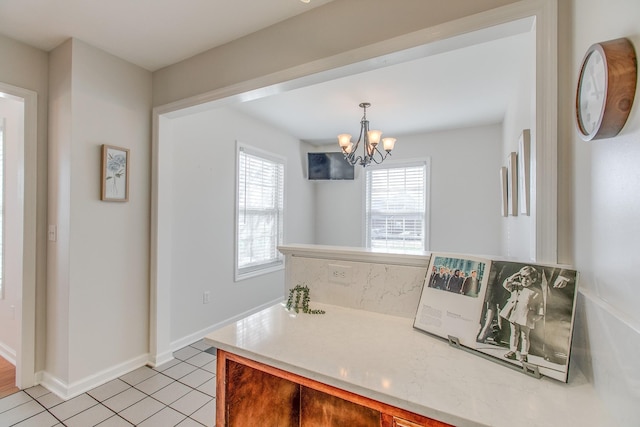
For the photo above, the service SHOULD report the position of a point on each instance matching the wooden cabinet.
(250, 393)
(256, 395)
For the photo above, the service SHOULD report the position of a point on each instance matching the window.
(259, 212)
(396, 207)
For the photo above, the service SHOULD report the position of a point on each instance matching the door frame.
(26, 320)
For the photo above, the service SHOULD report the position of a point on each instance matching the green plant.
(301, 292)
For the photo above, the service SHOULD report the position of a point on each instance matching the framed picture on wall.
(512, 183)
(524, 170)
(115, 174)
(503, 192)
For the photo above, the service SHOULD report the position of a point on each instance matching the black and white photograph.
(518, 313)
(527, 316)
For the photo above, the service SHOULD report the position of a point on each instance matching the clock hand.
(593, 80)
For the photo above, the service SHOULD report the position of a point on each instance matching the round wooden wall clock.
(606, 88)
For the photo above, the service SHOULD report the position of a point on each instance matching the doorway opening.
(18, 116)
(543, 218)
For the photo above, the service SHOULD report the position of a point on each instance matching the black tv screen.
(327, 166)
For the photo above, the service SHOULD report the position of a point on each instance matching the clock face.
(592, 93)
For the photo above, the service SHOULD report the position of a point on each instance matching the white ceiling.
(464, 87)
(466, 82)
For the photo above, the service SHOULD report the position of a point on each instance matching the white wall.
(464, 192)
(519, 231)
(203, 217)
(339, 213)
(606, 206)
(98, 309)
(12, 111)
(59, 181)
(26, 67)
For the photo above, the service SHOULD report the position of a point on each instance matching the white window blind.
(259, 212)
(396, 207)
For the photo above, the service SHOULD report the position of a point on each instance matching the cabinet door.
(322, 409)
(256, 398)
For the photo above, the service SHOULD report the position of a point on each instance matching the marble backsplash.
(381, 288)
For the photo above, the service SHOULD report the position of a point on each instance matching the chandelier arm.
(353, 160)
(382, 156)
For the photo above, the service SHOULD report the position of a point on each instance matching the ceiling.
(459, 83)
(149, 33)
(464, 87)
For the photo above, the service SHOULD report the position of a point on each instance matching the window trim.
(394, 164)
(278, 263)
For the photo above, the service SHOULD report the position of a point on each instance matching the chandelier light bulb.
(388, 144)
(374, 137)
(344, 139)
(348, 148)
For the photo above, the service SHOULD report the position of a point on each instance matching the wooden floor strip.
(7, 378)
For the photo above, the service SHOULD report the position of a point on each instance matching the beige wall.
(326, 31)
(99, 266)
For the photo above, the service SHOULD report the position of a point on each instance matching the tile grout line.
(130, 386)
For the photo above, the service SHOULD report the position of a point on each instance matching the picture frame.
(503, 192)
(512, 183)
(524, 171)
(518, 314)
(115, 174)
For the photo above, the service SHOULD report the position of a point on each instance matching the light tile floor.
(179, 393)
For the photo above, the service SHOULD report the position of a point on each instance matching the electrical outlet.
(206, 297)
(339, 274)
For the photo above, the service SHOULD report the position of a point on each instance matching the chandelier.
(370, 140)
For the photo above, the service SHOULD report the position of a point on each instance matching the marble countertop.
(382, 357)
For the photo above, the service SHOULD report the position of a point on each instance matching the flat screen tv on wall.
(328, 166)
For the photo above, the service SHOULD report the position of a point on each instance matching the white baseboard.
(67, 391)
(160, 359)
(38, 377)
(8, 353)
(191, 338)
